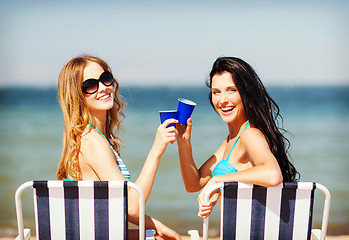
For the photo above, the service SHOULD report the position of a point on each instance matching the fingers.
(205, 210)
(164, 232)
(167, 133)
(189, 122)
(171, 134)
(184, 131)
(204, 213)
(169, 121)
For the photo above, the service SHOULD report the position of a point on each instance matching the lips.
(227, 109)
(104, 97)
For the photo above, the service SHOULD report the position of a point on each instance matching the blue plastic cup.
(168, 114)
(185, 109)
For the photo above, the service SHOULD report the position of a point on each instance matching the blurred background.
(163, 50)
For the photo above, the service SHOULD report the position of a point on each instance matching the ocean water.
(315, 118)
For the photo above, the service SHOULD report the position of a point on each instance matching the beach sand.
(6, 234)
(343, 237)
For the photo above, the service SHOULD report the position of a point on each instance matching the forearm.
(161, 230)
(190, 173)
(149, 222)
(147, 176)
(163, 136)
(261, 175)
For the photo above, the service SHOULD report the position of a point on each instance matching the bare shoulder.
(252, 132)
(91, 139)
(252, 135)
(92, 145)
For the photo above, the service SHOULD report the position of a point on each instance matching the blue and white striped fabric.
(254, 212)
(122, 166)
(80, 210)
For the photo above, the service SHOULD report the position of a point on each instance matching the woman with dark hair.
(255, 151)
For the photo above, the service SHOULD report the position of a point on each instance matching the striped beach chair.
(282, 212)
(79, 209)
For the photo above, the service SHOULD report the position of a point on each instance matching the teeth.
(227, 109)
(105, 97)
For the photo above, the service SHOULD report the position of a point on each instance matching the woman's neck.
(99, 121)
(236, 128)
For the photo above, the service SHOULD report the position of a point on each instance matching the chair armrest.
(149, 234)
(316, 234)
(26, 235)
(194, 234)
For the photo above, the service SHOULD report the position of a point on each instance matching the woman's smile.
(226, 110)
(105, 97)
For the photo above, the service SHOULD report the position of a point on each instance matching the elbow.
(194, 188)
(133, 210)
(133, 203)
(275, 178)
(191, 189)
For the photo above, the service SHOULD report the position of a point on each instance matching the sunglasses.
(91, 85)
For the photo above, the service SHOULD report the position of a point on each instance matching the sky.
(175, 43)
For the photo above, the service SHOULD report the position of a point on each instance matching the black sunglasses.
(91, 85)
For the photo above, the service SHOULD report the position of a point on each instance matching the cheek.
(236, 98)
(112, 90)
(215, 100)
(240, 104)
(89, 100)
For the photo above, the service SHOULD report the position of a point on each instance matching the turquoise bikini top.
(224, 167)
(119, 161)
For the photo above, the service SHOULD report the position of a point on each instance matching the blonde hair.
(76, 115)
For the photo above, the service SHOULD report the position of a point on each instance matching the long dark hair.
(261, 110)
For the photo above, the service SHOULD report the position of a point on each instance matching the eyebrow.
(229, 86)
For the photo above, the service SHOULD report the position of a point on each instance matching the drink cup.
(185, 109)
(164, 115)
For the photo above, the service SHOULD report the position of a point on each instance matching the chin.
(227, 119)
(110, 107)
(105, 107)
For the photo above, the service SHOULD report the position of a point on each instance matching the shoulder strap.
(248, 124)
(97, 130)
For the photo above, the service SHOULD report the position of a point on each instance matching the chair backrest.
(254, 212)
(81, 209)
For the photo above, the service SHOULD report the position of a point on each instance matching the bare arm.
(147, 176)
(194, 179)
(161, 230)
(265, 171)
(100, 158)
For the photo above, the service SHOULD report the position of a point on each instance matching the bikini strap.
(97, 130)
(248, 124)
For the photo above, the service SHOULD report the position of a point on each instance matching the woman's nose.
(101, 86)
(223, 98)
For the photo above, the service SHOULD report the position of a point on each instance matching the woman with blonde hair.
(93, 111)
